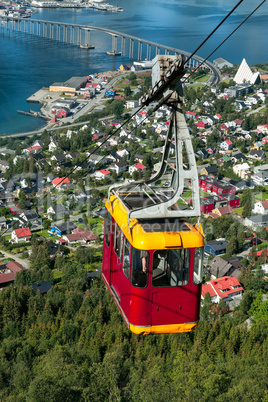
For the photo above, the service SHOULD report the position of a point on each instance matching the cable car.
(152, 254)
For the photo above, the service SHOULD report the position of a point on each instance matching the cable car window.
(126, 261)
(139, 268)
(107, 228)
(171, 268)
(198, 265)
(117, 239)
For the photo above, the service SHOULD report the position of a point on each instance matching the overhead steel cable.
(139, 109)
(164, 100)
(214, 30)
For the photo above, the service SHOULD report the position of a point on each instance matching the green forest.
(72, 345)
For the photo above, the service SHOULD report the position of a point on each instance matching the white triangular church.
(244, 74)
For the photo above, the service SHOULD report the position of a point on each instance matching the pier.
(32, 113)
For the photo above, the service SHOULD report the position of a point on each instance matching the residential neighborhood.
(53, 186)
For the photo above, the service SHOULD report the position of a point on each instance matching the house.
(4, 165)
(260, 174)
(225, 288)
(110, 93)
(215, 186)
(56, 211)
(42, 287)
(29, 216)
(55, 249)
(32, 150)
(21, 235)
(101, 174)
(59, 158)
(80, 237)
(242, 170)
(233, 200)
(61, 181)
(261, 207)
(119, 167)
(62, 229)
(242, 185)
(222, 211)
(238, 157)
(226, 145)
(3, 223)
(263, 128)
(190, 115)
(131, 104)
(257, 155)
(95, 159)
(136, 167)
(202, 153)
(216, 247)
(52, 146)
(210, 171)
(218, 267)
(255, 222)
(8, 273)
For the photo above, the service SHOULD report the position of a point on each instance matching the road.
(23, 262)
(255, 110)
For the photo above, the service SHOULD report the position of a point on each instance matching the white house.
(52, 146)
(226, 145)
(4, 165)
(225, 288)
(123, 152)
(261, 207)
(21, 235)
(242, 170)
(136, 167)
(101, 174)
(130, 104)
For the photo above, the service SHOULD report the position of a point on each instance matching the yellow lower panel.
(163, 329)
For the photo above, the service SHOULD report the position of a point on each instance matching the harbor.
(100, 6)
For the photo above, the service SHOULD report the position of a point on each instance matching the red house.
(225, 288)
(200, 124)
(60, 180)
(21, 235)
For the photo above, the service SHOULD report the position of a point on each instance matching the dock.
(32, 113)
(38, 97)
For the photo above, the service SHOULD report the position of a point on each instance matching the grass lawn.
(203, 194)
(202, 78)
(196, 87)
(45, 234)
(261, 196)
(238, 211)
(187, 194)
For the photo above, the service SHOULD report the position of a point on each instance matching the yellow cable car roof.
(152, 239)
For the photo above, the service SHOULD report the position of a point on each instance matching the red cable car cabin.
(153, 269)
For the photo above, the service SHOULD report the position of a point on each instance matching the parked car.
(255, 241)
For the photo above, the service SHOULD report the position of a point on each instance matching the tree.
(232, 247)
(206, 307)
(66, 217)
(246, 211)
(118, 108)
(22, 199)
(127, 91)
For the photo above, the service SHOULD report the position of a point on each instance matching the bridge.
(80, 35)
